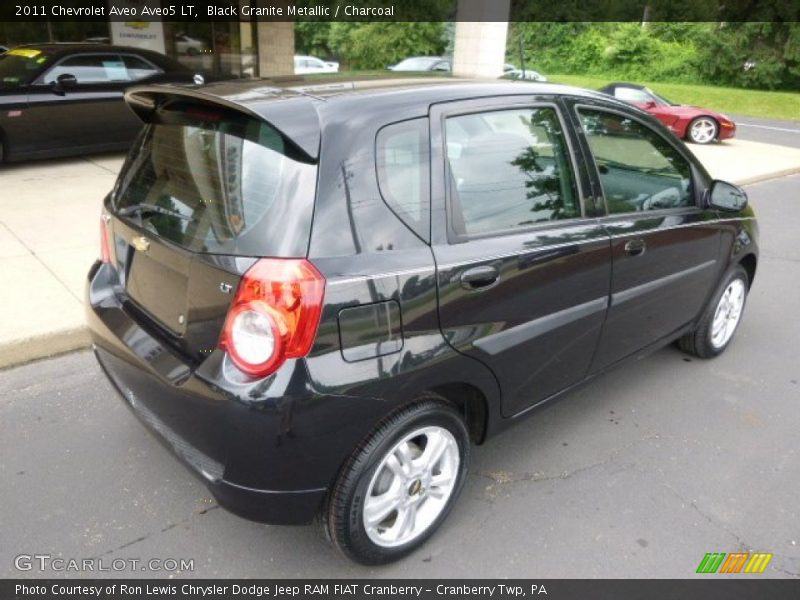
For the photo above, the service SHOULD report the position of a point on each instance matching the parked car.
(189, 45)
(66, 99)
(695, 124)
(422, 63)
(304, 65)
(526, 75)
(320, 315)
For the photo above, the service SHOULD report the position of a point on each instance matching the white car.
(304, 65)
(422, 63)
(188, 45)
(527, 75)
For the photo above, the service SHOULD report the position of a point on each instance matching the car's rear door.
(523, 266)
(664, 243)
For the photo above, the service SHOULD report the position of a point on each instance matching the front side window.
(509, 169)
(403, 160)
(639, 170)
(138, 68)
(95, 68)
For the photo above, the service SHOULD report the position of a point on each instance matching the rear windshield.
(223, 188)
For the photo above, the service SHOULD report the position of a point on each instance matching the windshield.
(222, 188)
(20, 65)
(418, 63)
(658, 98)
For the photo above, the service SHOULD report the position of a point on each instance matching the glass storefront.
(219, 48)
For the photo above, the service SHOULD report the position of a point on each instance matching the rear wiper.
(147, 209)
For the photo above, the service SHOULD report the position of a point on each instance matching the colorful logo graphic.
(736, 562)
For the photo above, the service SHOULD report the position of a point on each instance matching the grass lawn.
(753, 103)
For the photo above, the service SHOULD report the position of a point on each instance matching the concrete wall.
(275, 48)
(480, 45)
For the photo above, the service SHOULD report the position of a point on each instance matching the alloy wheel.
(411, 486)
(703, 131)
(728, 313)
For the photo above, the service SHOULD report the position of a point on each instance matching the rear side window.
(227, 188)
(95, 68)
(403, 162)
(639, 170)
(509, 169)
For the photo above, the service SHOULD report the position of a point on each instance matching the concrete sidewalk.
(49, 236)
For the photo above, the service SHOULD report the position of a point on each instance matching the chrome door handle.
(478, 278)
(635, 247)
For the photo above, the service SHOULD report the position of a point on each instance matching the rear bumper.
(267, 450)
(296, 507)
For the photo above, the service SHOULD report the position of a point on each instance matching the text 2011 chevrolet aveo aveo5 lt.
(319, 298)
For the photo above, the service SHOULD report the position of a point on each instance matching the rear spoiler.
(292, 114)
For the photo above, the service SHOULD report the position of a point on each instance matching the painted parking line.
(740, 124)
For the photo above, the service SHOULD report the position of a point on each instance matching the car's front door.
(91, 114)
(664, 244)
(523, 267)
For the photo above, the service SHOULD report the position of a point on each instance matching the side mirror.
(726, 196)
(650, 104)
(64, 82)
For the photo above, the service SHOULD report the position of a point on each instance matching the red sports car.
(698, 125)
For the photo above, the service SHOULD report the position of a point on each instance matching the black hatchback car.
(67, 99)
(319, 298)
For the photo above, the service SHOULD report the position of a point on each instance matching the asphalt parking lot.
(637, 475)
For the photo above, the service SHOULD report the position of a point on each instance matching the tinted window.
(638, 168)
(232, 188)
(509, 169)
(403, 160)
(95, 68)
(138, 68)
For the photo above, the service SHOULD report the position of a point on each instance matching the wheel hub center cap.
(416, 488)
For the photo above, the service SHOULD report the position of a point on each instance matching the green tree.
(313, 37)
(753, 55)
(376, 45)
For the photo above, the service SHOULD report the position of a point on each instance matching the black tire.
(699, 341)
(691, 133)
(343, 515)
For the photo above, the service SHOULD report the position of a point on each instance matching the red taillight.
(274, 316)
(105, 248)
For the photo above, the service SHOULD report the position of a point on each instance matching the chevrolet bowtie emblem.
(141, 243)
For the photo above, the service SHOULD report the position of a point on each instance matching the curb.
(768, 176)
(22, 350)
